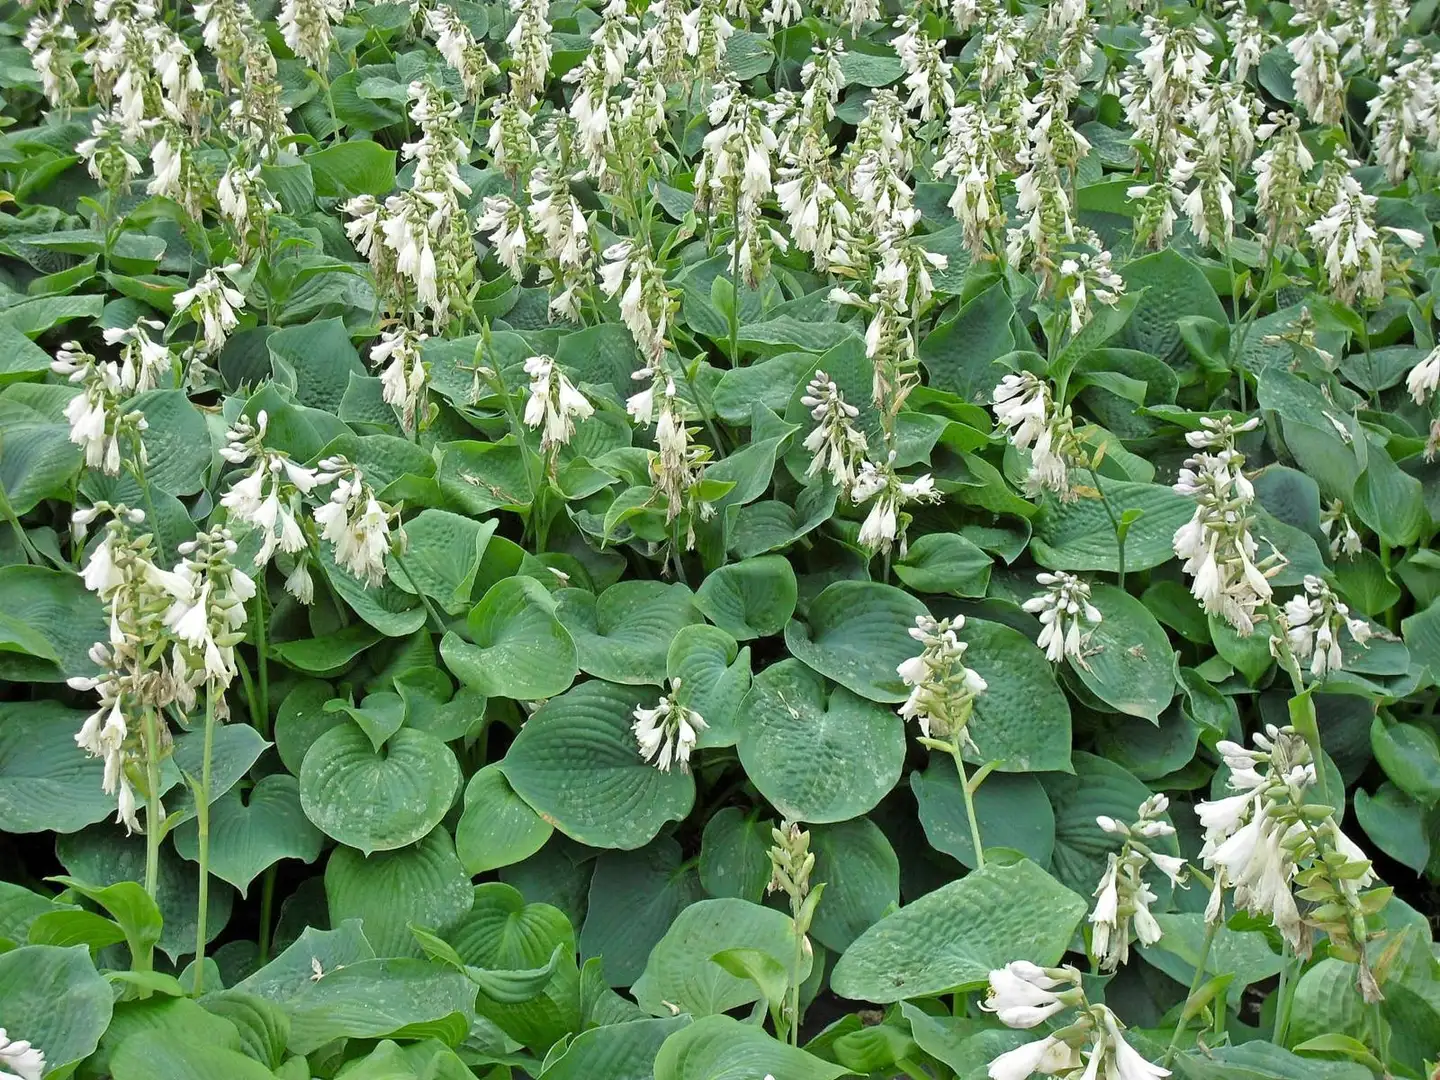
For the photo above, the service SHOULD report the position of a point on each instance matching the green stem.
(202, 820)
(262, 666)
(429, 607)
(792, 1005)
(1114, 524)
(8, 513)
(1180, 1025)
(1283, 996)
(1297, 681)
(969, 806)
(267, 905)
(154, 827)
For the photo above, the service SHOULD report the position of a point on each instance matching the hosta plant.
(717, 541)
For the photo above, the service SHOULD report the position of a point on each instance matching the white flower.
(1424, 377)
(1314, 618)
(667, 733)
(835, 444)
(403, 376)
(1335, 524)
(1063, 609)
(942, 689)
(213, 304)
(19, 1058)
(554, 403)
(143, 361)
(1350, 242)
(1216, 543)
(1023, 404)
(1024, 996)
(1048, 1056)
(355, 522)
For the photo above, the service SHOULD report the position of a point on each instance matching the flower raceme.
(837, 447)
(667, 733)
(1313, 620)
(1268, 837)
(1025, 406)
(1123, 898)
(554, 403)
(354, 521)
(942, 689)
(1217, 543)
(1064, 609)
(1092, 1045)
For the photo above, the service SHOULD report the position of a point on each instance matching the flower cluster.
(269, 497)
(1064, 610)
(837, 447)
(1269, 837)
(1024, 995)
(1217, 543)
(554, 404)
(887, 520)
(20, 1058)
(1313, 620)
(667, 733)
(354, 521)
(1025, 406)
(942, 689)
(1123, 898)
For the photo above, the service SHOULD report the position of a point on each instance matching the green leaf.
(386, 891)
(253, 831)
(264, 1028)
(709, 673)
(1078, 536)
(377, 801)
(1081, 846)
(133, 910)
(1262, 1060)
(945, 563)
(346, 169)
(623, 636)
(817, 753)
(577, 763)
(956, 1042)
(57, 606)
(443, 555)
(734, 854)
(160, 1055)
(959, 355)
(749, 599)
(71, 927)
(1022, 720)
(634, 896)
(680, 972)
(317, 359)
(856, 633)
(385, 998)
(378, 715)
(103, 856)
(721, 1048)
(1173, 288)
(953, 937)
(47, 783)
(55, 1000)
(862, 880)
(1396, 823)
(1128, 661)
(234, 749)
(386, 607)
(1410, 756)
(1245, 955)
(521, 650)
(497, 827)
(290, 973)
(1388, 500)
(623, 1051)
(1012, 810)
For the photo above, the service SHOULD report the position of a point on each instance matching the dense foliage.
(719, 541)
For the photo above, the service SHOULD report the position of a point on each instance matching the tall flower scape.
(733, 539)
